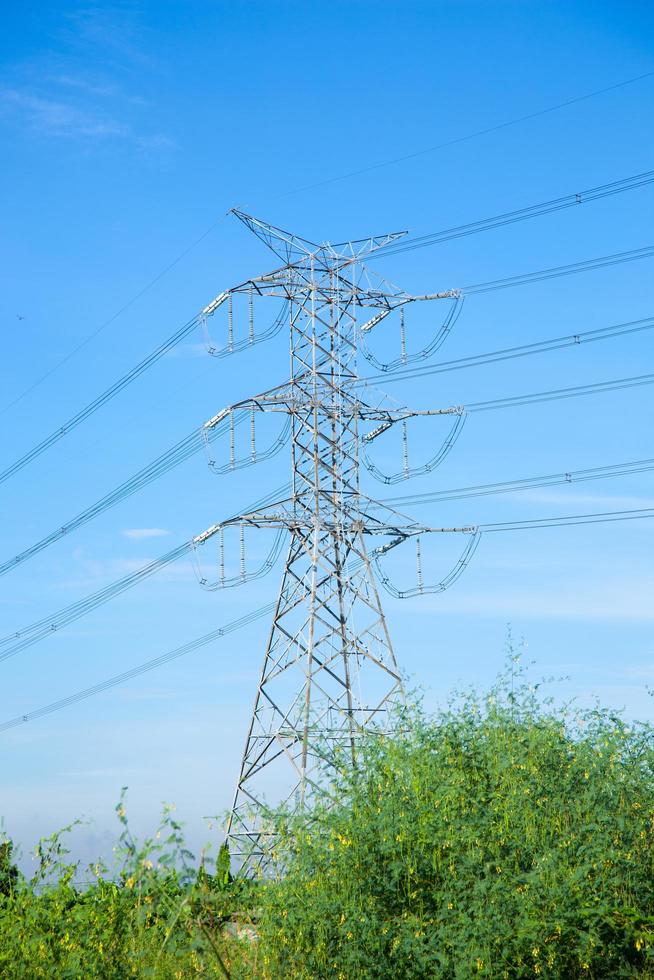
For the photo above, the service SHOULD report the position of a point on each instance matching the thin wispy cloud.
(50, 116)
(85, 90)
(114, 32)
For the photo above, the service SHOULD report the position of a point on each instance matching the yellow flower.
(130, 883)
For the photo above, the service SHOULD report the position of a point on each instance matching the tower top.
(292, 248)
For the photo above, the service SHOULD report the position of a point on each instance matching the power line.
(601, 518)
(178, 336)
(113, 317)
(99, 401)
(143, 668)
(192, 645)
(191, 444)
(452, 142)
(521, 214)
(22, 639)
(523, 350)
(474, 135)
(19, 640)
(554, 394)
(313, 636)
(587, 265)
(524, 483)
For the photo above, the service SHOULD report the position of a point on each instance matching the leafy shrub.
(503, 838)
(156, 915)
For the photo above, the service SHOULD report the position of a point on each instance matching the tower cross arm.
(395, 302)
(399, 535)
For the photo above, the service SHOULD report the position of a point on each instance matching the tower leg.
(329, 675)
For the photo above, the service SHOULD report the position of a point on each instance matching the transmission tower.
(329, 671)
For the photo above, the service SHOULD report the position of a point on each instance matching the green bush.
(155, 915)
(503, 838)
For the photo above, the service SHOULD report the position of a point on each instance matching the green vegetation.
(504, 838)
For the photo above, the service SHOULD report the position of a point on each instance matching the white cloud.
(57, 117)
(138, 533)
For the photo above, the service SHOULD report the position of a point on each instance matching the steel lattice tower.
(329, 671)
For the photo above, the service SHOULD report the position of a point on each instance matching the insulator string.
(426, 589)
(405, 450)
(255, 456)
(251, 340)
(419, 566)
(225, 581)
(421, 355)
(253, 445)
(407, 471)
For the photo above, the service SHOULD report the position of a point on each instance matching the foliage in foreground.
(503, 839)
(157, 916)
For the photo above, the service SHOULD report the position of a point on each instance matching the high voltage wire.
(587, 195)
(192, 444)
(554, 394)
(566, 521)
(522, 214)
(479, 132)
(524, 483)
(626, 184)
(526, 278)
(587, 265)
(177, 454)
(19, 640)
(143, 668)
(607, 517)
(460, 139)
(110, 320)
(523, 350)
(99, 401)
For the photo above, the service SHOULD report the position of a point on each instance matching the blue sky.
(128, 131)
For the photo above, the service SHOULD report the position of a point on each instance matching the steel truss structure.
(329, 671)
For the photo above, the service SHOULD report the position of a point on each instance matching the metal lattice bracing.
(329, 672)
